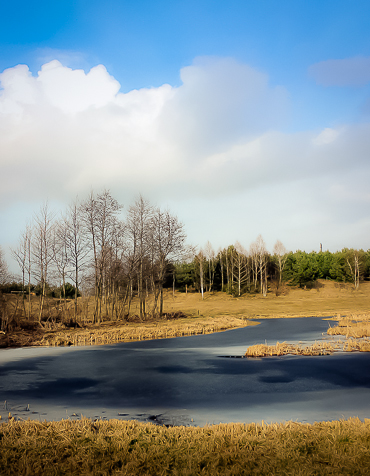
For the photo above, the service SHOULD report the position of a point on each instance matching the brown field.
(327, 299)
(115, 447)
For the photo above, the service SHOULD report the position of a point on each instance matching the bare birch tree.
(210, 257)
(138, 224)
(354, 260)
(281, 254)
(200, 260)
(22, 255)
(61, 261)
(240, 266)
(42, 254)
(77, 248)
(258, 254)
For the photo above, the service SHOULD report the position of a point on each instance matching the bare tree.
(240, 268)
(4, 312)
(60, 259)
(167, 237)
(354, 260)
(220, 258)
(22, 255)
(116, 276)
(99, 217)
(281, 254)
(200, 260)
(42, 254)
(77, 248)
(4, 273)
(138, 224)
(210, 257)
(258, 254)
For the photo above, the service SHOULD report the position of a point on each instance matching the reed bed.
(354, 345)
(318, 348)
(354, 325)
(115, 447)
(134, 332)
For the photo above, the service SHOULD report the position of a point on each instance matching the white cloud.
(342, 72)
(216, 138)
(73, 91)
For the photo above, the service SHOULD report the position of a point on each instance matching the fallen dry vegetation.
(126, 448)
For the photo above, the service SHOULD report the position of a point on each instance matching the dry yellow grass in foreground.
(130, 448)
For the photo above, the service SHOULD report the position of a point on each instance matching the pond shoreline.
(113, 332)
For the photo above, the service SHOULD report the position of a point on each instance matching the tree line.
(237, 271)
(96, 248)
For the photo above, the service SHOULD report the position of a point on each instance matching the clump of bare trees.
(95, 246)
(234, 269)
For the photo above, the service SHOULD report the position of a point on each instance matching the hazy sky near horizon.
(241, 117)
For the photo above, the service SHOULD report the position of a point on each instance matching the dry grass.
(354, 325)
(128, 448)
(113, 333)
(318, 348)
(327, 299)
(354, 345)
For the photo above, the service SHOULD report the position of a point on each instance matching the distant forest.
(92, 250)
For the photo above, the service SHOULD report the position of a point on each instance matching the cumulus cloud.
(342, 72)
(80, 124)
(73, 91)
(217, 136)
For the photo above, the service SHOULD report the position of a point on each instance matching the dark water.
(189, 378)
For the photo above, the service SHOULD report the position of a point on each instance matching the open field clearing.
(127, 448)
(327, 299)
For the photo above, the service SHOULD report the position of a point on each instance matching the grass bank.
(114, 332)
(130, 448)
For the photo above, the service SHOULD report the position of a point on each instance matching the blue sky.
(243, 117)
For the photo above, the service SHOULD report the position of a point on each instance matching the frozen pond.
(189, 380)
